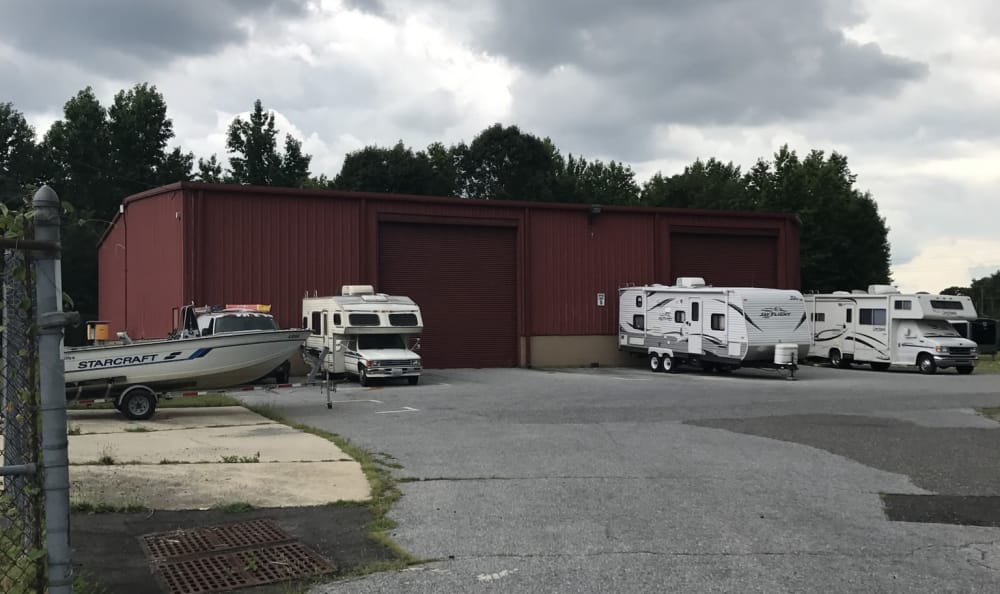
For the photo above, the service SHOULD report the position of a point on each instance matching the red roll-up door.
(725, 260)
(464, 278)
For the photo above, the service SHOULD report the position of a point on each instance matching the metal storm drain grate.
(229, 556)
(178, 543)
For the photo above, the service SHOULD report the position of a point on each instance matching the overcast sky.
(909, 90)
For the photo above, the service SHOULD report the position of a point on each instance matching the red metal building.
(500, 283)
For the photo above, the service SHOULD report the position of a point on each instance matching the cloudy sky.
(909, 90)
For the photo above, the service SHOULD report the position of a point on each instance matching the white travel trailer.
(366, 334)
(715, 327)
(883, 327)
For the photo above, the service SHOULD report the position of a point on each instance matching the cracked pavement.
(620, 480)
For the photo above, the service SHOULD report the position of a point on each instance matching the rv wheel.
(964, 369)
(363, 376)
(926, 364)
(880, 366)
(138, 404)
(655, 363)
(413, 380)
(837, 360)
(668, 364)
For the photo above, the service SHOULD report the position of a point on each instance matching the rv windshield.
(381, 341)
(940, 328)
(243, 323)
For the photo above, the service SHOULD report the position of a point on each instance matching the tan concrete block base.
(577, 351)
(111, 421)
(201, 486)
(270, 442)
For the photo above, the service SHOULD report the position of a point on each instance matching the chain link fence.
(22, 553)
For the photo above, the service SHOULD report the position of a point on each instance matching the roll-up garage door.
(725, 260)
(464, 278)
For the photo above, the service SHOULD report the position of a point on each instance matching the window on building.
(871, 317)
(941, 304)
(316, 322)
(718, 322)
(639, 322)
(680, 316)
(903, 305)
(694, 311)
(363, 319)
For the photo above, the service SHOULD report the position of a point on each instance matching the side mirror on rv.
(416, 345)
(338, 345)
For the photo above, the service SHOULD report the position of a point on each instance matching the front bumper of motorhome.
(393, 368)
(955, 356)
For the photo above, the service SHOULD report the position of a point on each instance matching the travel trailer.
(982, 331)
(883, 327)
(365, 334)
(719, 328)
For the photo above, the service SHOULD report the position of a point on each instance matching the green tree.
(256, 159)
(210, 170)
(400, 169)
(19, 155)
(507, 164)
(595, 182)
(703, 184)
(985, 293)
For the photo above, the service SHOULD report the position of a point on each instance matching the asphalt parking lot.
(620, 480)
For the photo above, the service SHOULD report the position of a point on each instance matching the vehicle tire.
(655, 362)
(363, 376)
(138, 404)
(413, 380)
(926, 364)
(708, 366)
(964, 369)
(880, 366)
(668, 364)
(837, 359)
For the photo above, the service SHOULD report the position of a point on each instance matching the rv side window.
(639, 322)
(326, 328)
(363, 319)
(305, 322)
(871, 317)
(694, 311)
(821, 317)
(939, 304)
(680, 316)
(336, 320)
(638, 300)
(903, 305)
(316, 322)
(849, 316)
(718, 322)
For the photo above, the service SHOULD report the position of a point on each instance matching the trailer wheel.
(837, 359)
(926, 364)
(655, 363)
(880, 366)
(413, 379)
(138, 404)
(668, 364)
(363, 376)
(964, 369)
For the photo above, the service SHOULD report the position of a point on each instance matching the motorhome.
(367, 335)
(719, 328)
(882, 327)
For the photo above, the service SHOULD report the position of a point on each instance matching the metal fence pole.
(55, 443)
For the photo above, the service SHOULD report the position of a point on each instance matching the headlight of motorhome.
(940, 349)
(415, 362)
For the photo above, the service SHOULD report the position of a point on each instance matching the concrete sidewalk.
(198, 458)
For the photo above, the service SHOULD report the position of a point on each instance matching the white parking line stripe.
(404, 409)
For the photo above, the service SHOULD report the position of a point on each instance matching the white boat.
(132, 373)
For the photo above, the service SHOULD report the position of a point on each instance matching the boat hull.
(203, 363)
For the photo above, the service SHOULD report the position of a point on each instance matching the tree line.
(95, 156)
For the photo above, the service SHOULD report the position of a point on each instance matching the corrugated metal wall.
(154, 248)
(726, 260)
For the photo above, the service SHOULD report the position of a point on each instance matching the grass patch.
(237, 507)
(992, 412)
(987, 365)
(385, 493)
(84, 507)
(106, 458)
(138, 429)
(73, 430)
(242, 459)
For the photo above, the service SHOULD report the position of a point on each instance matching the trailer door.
(695, 322)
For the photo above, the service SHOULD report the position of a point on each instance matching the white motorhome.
(883, 327)
(366, 334)
(719, 328)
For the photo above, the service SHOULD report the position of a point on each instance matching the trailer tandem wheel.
(138, 403)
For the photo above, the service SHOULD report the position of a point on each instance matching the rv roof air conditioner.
(841, 293)
(690, 282)
(357, 290)
(858, 292)
(882, 290)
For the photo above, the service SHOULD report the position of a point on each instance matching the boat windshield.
(381, 341)
(243, 323)
(937, 328)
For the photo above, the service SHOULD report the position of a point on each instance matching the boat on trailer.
(134, 374)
